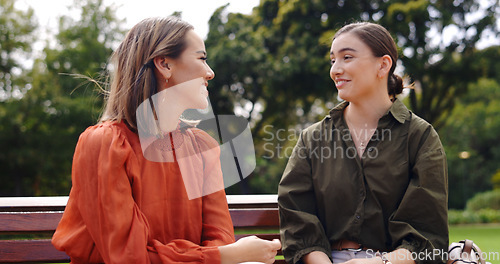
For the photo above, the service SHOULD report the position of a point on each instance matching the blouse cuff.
(211, 255)
(301, 253)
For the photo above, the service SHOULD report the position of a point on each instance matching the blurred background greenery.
(272, 67)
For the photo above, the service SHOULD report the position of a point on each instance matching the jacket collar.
(397, 110)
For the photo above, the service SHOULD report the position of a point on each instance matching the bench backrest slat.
(251, 218)
(40, 215)
(12, 251)
(29, 222)
(47, 221)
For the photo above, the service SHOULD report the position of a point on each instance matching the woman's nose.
(210, 73)
(335, 70)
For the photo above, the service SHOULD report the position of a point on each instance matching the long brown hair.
(381, 43)
(133, 79)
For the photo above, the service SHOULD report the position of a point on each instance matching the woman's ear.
(162, 65)
(385, 65)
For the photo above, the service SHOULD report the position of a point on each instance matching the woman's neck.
(370, 106)
(169, 113)
(362, 120)
(369, 111)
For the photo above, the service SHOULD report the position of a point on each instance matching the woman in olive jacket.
(368, 183)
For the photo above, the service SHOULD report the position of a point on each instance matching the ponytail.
(394, 85)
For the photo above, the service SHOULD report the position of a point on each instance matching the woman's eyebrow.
(203, 52)
(344, 50)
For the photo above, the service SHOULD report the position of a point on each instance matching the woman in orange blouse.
(126, 207)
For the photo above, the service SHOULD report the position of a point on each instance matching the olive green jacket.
(395, 196)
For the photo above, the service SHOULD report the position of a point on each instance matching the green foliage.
(495, 180)
(473, 217)
(441, 69)
(473, 126)
(16, 36)
(272, 66)
(482, 208)
(485, 200)
(40, 130)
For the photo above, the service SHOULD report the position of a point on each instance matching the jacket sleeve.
(300, 229)
(102, 193)
(420, 224)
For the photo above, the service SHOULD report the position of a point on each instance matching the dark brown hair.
(133, 79)
(381, 43)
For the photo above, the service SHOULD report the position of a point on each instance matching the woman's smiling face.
(191, 73)
(354, 67)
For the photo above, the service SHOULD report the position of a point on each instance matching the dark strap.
(468, 247)
(471, 248)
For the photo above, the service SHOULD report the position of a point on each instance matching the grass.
(485, 236)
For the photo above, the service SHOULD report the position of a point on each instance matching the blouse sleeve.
(300, 229)
(420, 224)
(103, 165)
(217, 224)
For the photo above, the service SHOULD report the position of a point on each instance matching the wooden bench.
(37, 218)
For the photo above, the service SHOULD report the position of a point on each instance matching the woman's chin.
(203, 104)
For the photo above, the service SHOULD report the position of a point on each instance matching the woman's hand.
(250, 248)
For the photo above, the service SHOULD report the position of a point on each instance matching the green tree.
(440, 64)
(41, 129)
(16, 35)
(495, 180)
(470, 133)
(273, 64)
(470, 137)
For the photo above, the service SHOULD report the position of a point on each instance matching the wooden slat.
(27, 215)
(31, 204)
(47, 221)
(29, 222)
(253, 201)
(58, 203)
(255, 218)
(18, 251)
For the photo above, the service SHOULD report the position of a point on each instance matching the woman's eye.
(203, 58)
(346, 57)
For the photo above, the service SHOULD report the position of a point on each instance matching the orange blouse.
(124, 208)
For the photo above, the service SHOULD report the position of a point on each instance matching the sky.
(196, 12)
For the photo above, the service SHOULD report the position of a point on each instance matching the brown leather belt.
(347, 244)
